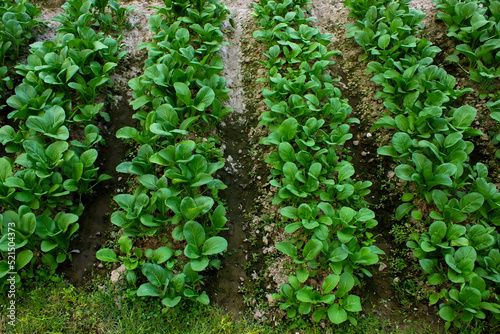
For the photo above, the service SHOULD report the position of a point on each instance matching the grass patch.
(59, 307)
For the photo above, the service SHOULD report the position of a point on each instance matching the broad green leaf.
(410, 99)
(218, 218)
(204, 98)
(183, 93)
(106, 255)
(4, 268)
(471, 202)
(447, 313)
(88, 158)
(155, 274)
(346, 214)
(192, 252)
(401, 142)
(470, 297)
(288, 248)
(304, 308)
(179, 282)
(452, 139)
(338, 254)
(437, 231)
(404, 172)
(305, 294)
(304, 211)
(346, 170)
(463, 116)
(23, 258)
(35, 150)
(479, 237)
(362, 38)
(435, 279)
(5, 169)
(330, 283)
(403, 209)
(455, 232)
(289, 212)
(48, 245)
(336, 314)
(162, 254)
(149, 181)
(447, 169)
(125, 244)
(214, 245)
(200, 263)
(352, 303)
(127, 132)
(194, 233)
(384, 41)
(365, 256)
(286, 152)
(428, 265)
(182, 35)
(290, 228)
(288, 128)
(171, 302)
(203, 298)
(55, 151)
(365, 214)
(148, 289)
(465, 258)
(346, 284)
(320, 313)
(312, 248)
(302, 275)
(193, 208)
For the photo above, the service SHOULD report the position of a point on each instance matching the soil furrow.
(240, 194)
(94, 221)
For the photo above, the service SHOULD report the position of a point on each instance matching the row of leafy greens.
(475, 24)
(178, 100)
(328, 221)
(50, 144)
(431, 142)
(19, 19)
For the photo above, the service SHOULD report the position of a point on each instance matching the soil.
(253, 269)
(95, 220)
(241, 192)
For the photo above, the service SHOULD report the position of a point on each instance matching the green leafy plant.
(432, 147)
(309, 124)
(300, 299)
(52, 170)
(178, 96)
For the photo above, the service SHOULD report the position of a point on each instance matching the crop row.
(16, 26)
(431, 143)
(328, 221)
(178, 101)
(476, 24)
(46, 171)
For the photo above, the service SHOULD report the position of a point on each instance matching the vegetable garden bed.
(308, 167)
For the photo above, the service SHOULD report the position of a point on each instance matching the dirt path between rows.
(245, 173)
(239, 195)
